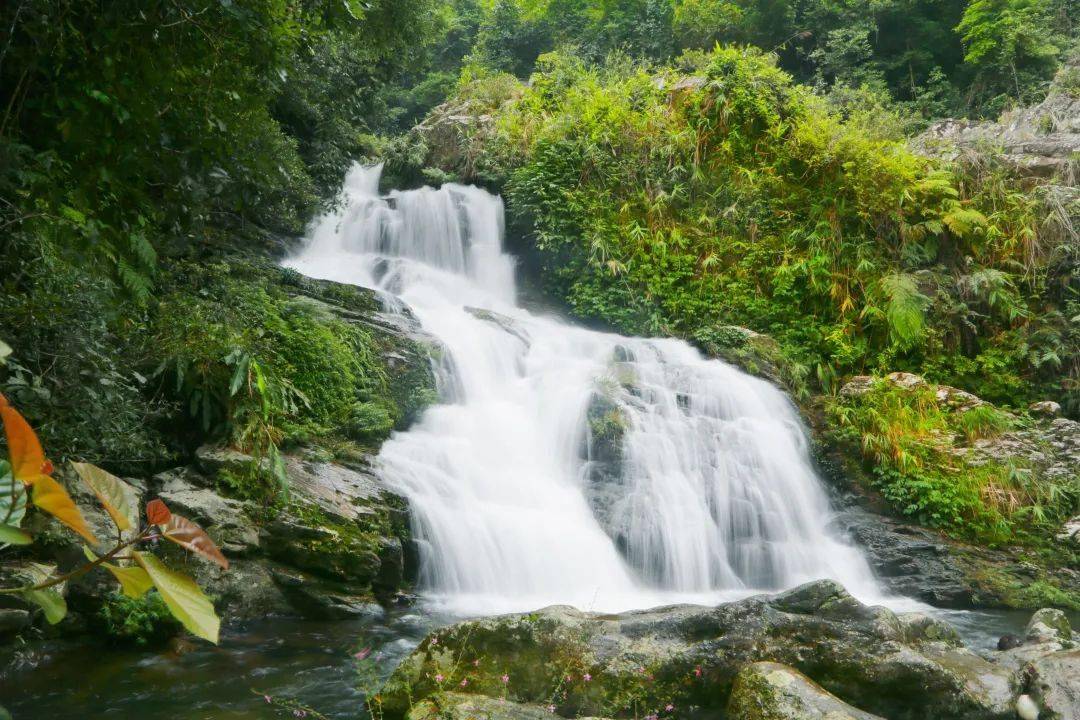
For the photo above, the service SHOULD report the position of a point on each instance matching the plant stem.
(81, 570)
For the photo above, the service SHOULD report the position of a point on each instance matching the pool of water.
(309, 662)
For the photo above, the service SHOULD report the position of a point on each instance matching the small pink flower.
(363, 653)
(505, 679)
(697, 671)
(569, 678)
(476, 662)
(586, 677)
(268, 699)
(551, 708)
(439, 678)
(464, 683)
(435, 640)
(669, 707)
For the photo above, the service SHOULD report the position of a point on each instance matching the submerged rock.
(901, 668)
(771, 691)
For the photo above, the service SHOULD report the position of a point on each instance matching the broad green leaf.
(109, 489)
(11, 535)
(5, 350)
(51, 497)
(24, 451)
(48, 599)
(183, 597)
(12, 497)
(134, 581)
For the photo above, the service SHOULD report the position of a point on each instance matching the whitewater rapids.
(715, 496)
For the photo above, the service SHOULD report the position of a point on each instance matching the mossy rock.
(688, 656)
(771, 691)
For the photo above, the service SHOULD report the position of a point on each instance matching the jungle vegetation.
(670, 166)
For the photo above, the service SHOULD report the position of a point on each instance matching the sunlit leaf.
(5, 350)
(182, 596)
(157, 513)
(188, 535)
(48, 599)
(134, 581)
(51, 497)
(109, 489)
(11, 535)
(24, 451)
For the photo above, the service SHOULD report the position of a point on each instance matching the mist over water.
(711, 495)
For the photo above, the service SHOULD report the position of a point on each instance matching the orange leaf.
(187, 534)
(157, 513)
(51, 497)
(28, 461)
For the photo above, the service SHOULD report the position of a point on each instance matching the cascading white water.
(568, 465)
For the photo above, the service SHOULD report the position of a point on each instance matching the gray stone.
(461, 706)
(504, 323)
(1053, 682)
(690, 656)
(212, 459)
(1046, 408)
(1048, 625)
(12, 620)
(771, 691)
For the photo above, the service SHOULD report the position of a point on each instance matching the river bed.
(310, 662)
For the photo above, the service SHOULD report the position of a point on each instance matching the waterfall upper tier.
(706, 490)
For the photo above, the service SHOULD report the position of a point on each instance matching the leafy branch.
(26, 478)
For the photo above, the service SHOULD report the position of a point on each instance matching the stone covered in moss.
(687, 656)
(462, 706)
(770, 691)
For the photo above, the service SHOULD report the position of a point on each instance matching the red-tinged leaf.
(51, 497)
(27, 459)
(188, 535)
(157, 513)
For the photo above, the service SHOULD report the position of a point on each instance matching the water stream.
(710, 493)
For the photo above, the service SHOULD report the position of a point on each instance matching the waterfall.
(568, 465)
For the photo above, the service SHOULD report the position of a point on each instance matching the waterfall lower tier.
(567, 465)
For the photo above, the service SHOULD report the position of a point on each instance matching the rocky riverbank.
(333, 543)
(812, 652)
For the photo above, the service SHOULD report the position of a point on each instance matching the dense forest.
(711, 170)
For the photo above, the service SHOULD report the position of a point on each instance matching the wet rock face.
(688, 656)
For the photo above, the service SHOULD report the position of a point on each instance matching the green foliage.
(257, 367)
(42, 585)
(662, 204)
(1013, 46)
(915, 444)
(139, 621)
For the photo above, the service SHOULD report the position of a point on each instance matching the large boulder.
(771, 691)
(1053, 682)
(690, 656)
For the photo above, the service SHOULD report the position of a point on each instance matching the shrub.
(139, 621)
